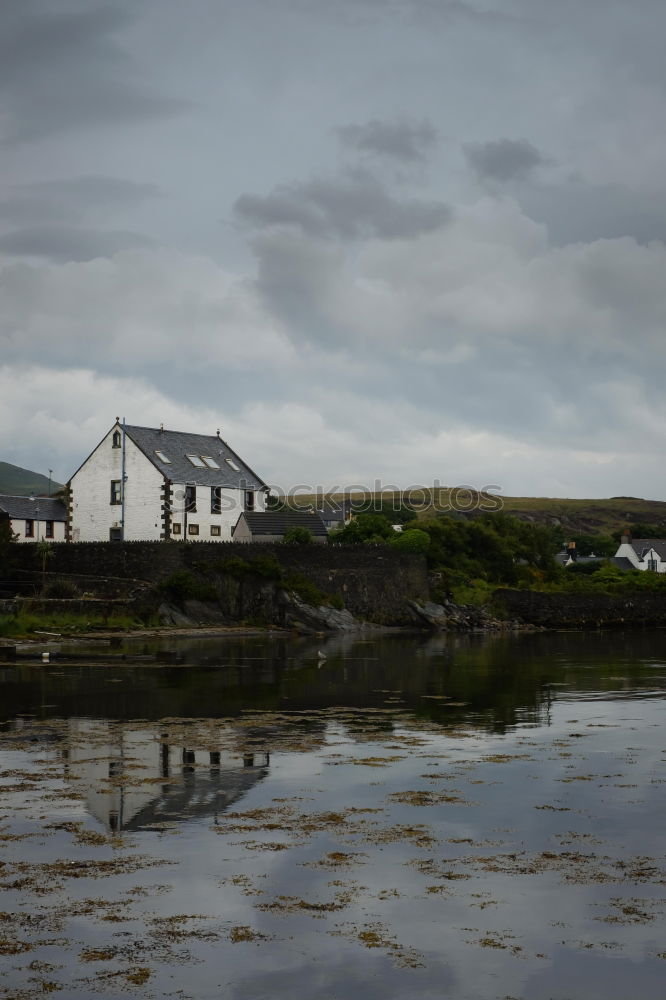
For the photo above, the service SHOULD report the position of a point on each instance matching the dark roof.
(280, 522)
(205, 794)
(622, 563)
(177, 445)
(642, 545)
(26, 509)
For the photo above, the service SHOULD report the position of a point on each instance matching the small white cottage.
(145, 483)
(34, 519)
(642, 553)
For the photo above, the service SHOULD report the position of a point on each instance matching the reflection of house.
(35, 519)
(148, 483)
(641, 553)
(132, 780)
(272, 526)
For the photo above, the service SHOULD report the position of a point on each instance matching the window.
(215, 529)
(115, 535)
(652, 565)
(191, 499)
(116, 492)
(216, 499)
(230, 462)
(193, 529)
(116, 441)
(29, 529)
(163, 458)
(249, 500)
(48, 529)
(210, 462)
(195, 460)
(175, 529)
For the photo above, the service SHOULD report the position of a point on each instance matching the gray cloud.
(409, 142)
(352, 206)
(63, 69)
(63, 243)
(503, 159)
(71, 199)
(577, 211)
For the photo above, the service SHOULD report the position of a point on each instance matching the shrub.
(184, 586)
(304, 588)
(64, 589)
(412, 540)
(298, 536)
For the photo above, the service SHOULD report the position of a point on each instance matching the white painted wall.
(628, 552)
(233, 505)
(18, 527)
(93, 514)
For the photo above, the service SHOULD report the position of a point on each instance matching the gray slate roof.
(23, 508)
(176, 445)
(280, 522)
(622, 563)
(642, 545)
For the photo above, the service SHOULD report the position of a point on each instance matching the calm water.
(466, 817)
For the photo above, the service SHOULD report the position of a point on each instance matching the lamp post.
(50, 474)
(35, 500)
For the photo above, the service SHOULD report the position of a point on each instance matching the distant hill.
(594, 517)
(23, 482)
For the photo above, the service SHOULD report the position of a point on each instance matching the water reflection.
(494, 681)
(476, 816)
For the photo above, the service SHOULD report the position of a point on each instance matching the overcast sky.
(396, 240)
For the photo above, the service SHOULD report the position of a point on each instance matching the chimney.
(571, 551)
(625, 538)
(161, 428)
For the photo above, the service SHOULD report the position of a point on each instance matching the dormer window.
(230, 462)
(163, 458)
(116, 440)
(210, 462)
(196, 460)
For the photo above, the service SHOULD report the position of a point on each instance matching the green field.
(593, 516)
(23, 482)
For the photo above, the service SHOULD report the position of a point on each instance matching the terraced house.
(146, 483)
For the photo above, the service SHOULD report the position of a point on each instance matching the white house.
(642, 553)
(35, 519)
(145, 483)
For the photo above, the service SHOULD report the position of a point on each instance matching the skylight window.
(162, 457)
(210, 462)
(230, 462)
(195, 460)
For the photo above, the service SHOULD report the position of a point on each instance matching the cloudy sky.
(395, 240)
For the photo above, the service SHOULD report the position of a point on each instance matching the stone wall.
(643, 608)
(374, 582)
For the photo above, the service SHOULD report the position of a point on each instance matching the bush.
(184, 586)
(63, 589)
(304, 588)
(412, 540)
(298, 536)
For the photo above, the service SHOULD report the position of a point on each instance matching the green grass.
(25, 624)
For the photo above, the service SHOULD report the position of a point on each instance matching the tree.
(298, 536)
(412, 540)
(44, 552)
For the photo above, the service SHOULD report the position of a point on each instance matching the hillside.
(23, 482)
(593, 516)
